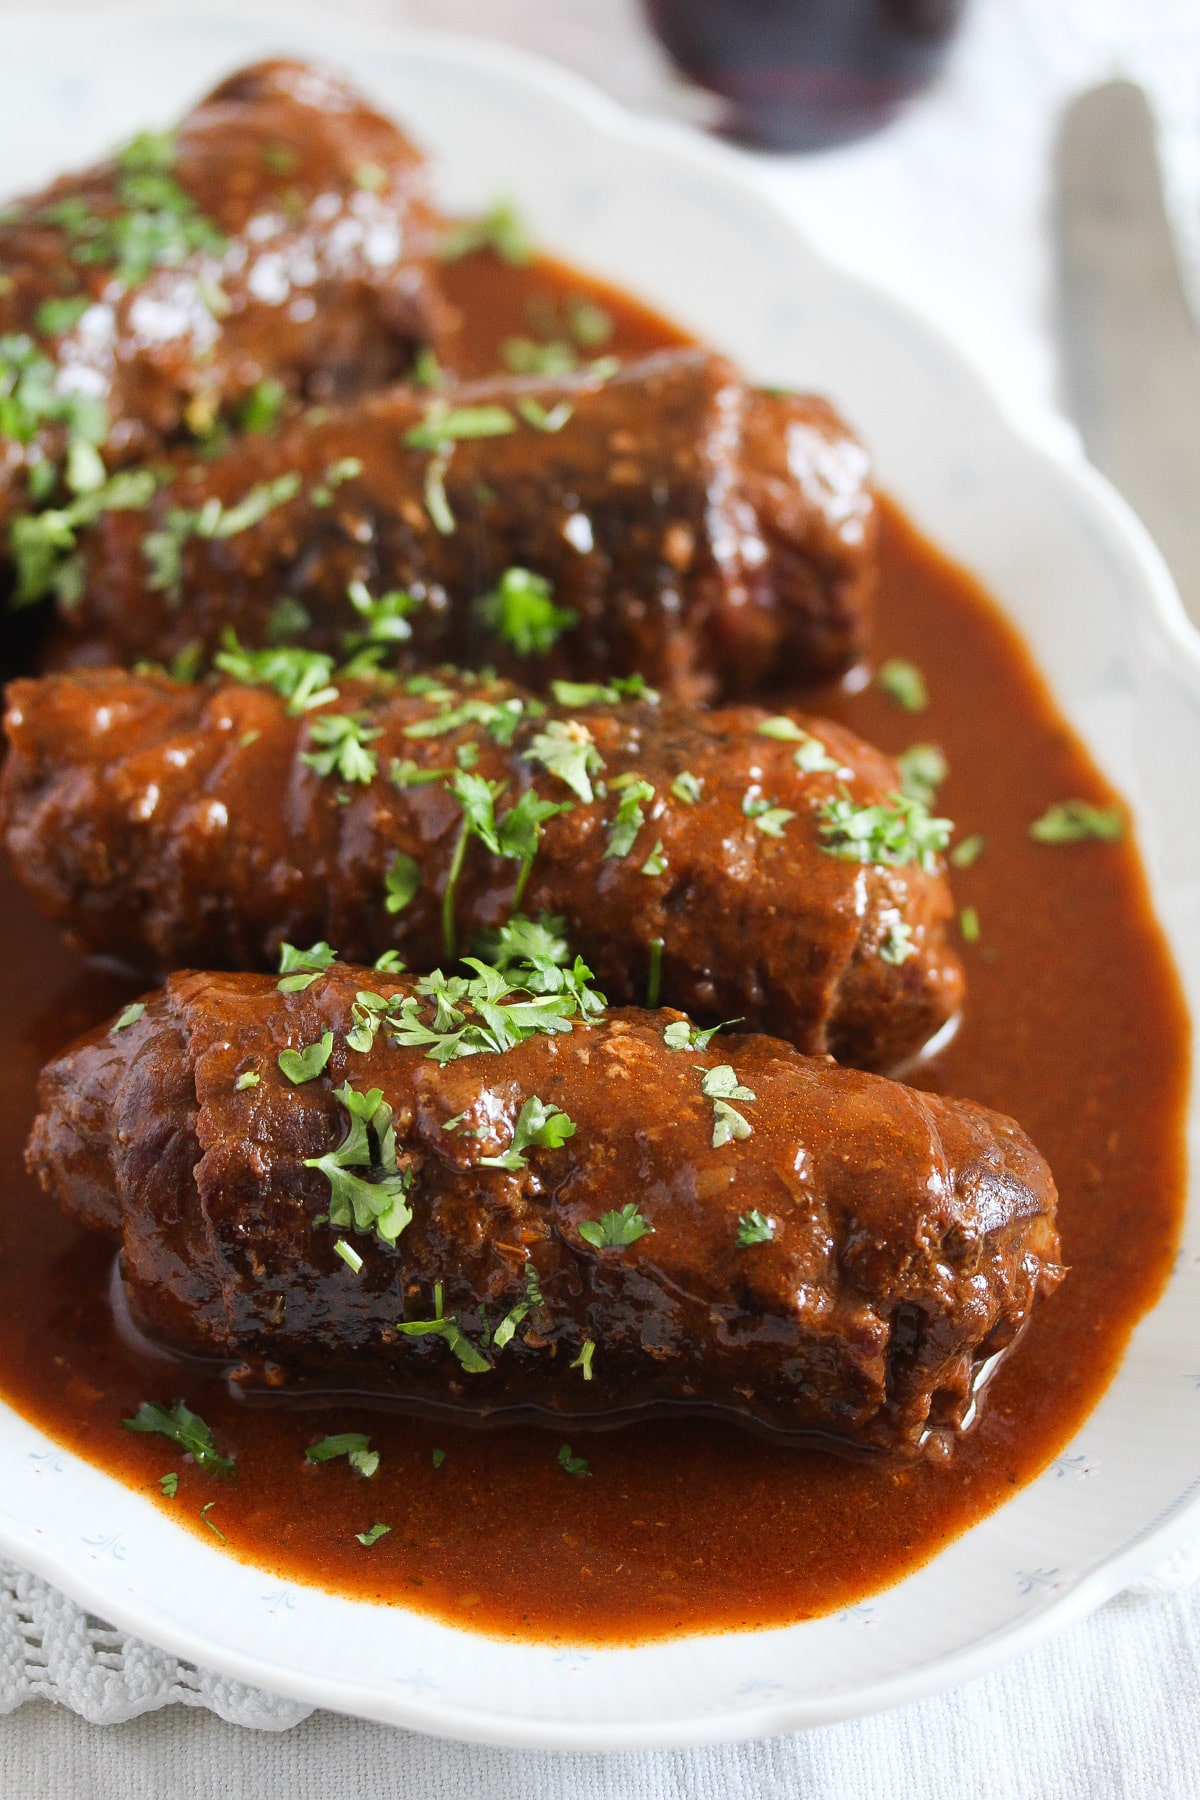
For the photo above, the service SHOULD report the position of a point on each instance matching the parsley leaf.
(128, 1017)
(681, 1034)
(306, 1064)
(163, 548)
(539, 1123)
(344, 737)
(573, 1465)
(535, 414)
(969, 851)
(354, 1445)
(592, 693)
(614, 1230)
(447, 1328)
(169, 1485)
(754, 1228)
(687, 787)
(300, 968)
(402, 881)
(923, 768)
(262, 406)
(521, 612)
(377, 1204)
(630, 817)
(500, 229)
(42, 543)
(904, 684)
(301, 677)
(721, 1085)
(768, 817)
(896, 945)
(566, 750)
(584, 1360)
(184, 1428)
(373, 1536)
(444, 426)
(385, 621)
(968, 924)
(656, 862)
(1072, 821)
(894, 830)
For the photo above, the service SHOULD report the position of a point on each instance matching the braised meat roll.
(447, 1197)
(709, 536)
(735, 863)
(276, 246)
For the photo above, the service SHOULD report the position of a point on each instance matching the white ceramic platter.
(680, 222)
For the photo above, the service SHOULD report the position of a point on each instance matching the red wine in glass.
(806, 74)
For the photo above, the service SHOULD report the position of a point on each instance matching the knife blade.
(1128, 343)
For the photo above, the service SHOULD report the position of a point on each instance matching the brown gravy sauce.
(1074, 1024)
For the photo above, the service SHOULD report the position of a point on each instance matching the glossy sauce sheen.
(1074, 1025)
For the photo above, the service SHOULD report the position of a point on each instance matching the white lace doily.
(50, 1649)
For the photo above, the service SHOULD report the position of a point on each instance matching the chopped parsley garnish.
(894, 830)
(566, 750)
(500, 229)
(495, 1009)
(542, 418)
(306, 1064)
(754, 1228)
(42, 543)
(447, 1328)
(968, 924)
(721, 1085)
(349, 1256)
(520, 611)
(630, 817)
(262, 406)
(404, 773)
(499, 718)
(896, 945)
(437, 1457)
(354, 1445)
(159, 225)
(215, 1529)
(289, 619)
(785, 730)
(1072, 821)
(592, 693)
(539, 1123)
(184, 1428)
(444, 426)
(969, 851)
(584, 1360)
(687, 787)
(129, 1016)
(681, 1034)
(344, 738)
(402, 881)
(525, 356)
(163, 548)
(374, 1201)
(904, 685)
(614, 1230)
(345, 469)
(367, 1538)
(766, 816)
(385, 621)
(437, 503)
(573, 1465)
(923, 768)
(656, 862)
(168, 1485)
(300, 968)
(301, 677)
(55, 318)
(427, 371)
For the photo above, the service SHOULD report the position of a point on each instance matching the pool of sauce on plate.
(1074, 1025)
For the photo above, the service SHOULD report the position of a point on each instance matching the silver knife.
(1128, 343)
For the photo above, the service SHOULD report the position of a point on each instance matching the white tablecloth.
(948, 209)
